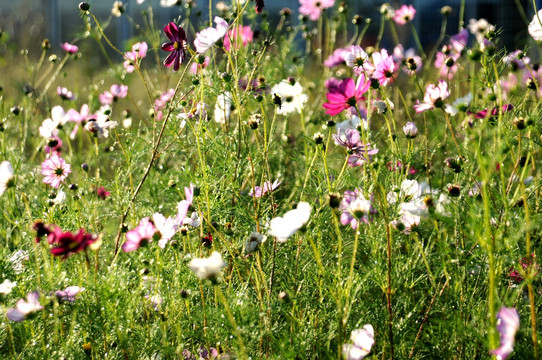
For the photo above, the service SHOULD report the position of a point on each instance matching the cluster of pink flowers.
(115, 92)
(138, 52)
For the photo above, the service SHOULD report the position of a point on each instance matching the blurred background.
(27, 22)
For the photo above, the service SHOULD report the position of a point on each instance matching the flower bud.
(410, 130)
(84, 6)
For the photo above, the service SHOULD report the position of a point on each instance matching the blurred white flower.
(253, 241)
(6, 286)
(535, 27)
(287, 225)
(292, 97)
(223, 107)
(363, 340)
(6, 176)
(207, 268)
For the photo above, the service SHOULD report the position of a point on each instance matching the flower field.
(248, 185)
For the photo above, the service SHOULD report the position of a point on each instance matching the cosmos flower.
(434, 97)
(346, 95)
(139, 236)
(69, 48)
(243, 33)
(404, 14)
(410, 130)
(50, 126)
(313, 8)
(165, 227)
(384, 67)
(24, 308)
(264, 189)
(253, 241)
(64, 93)
(480, 28)
(283, 227)
(292, 96)
(139, 51)
(337, 58)
(359, 60)
(355, 207)
(69, 294)
(66, 243)
(55, 170)
(184, 205)
(115, 92)
(206, 38)
(6, 176)
(207, 268)
(535, 27)
(507, 325)
(362, 342)
(7, 286)
(176, 46)
(100, 123)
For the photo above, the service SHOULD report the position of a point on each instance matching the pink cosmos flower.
(69, 294)
(206, 38)
(267, 187)
(195, 67)
(116, 92)
(362, 341)
(102, 193)
(184, 205)
(359, 60)
(355, 208)
(434, 97)
(139, 236)
(404, 14)
(346, 95)
(384, 67)
(54, 145)
(69, 48)
(313, 8)
(55, 170)
(459, 41)
(507, 325)
(177, 45)
(337, 58)
(139, 51)
(446, 61)
(79, 117)
(23, 308)
(243, 33)
(363, 154)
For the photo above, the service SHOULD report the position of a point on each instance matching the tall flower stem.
(231, 318)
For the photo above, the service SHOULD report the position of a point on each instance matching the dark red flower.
(259, 6)
(102, 193)
(66, 243)
(176, 46)
(41, 230)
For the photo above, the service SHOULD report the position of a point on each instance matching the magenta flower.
(55, 170)
(206, 38)
(313, 8)
(102, 193)
(23, 308)
(434, 97)
(115, 92)
(267, 187)
(243, 33)
(139, 236)
(67, 244)
(139, 51)
(384, 67)
(507, 325)
(69, 48)
(177, 45)
(346, 95)
(404, 14)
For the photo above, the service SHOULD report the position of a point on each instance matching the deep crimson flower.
(259, 6)
(102, 193)
(176, 46)
(66, 243)
(346, 95)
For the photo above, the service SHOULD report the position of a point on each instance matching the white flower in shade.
(6, 176)
(287, 225)
(460, 104)
(16, 259)
(207, 268)
(24, 308)
(535, 27)
(59, 198)
(206, 38)
(117, 9)
(169, 3)
(480, 28)
(50, 126)
(410, 130)
(253, 241)
(292, 97)
(6, 286)
(101, 124)
(193, 220)
(363, 340)
(223, 107)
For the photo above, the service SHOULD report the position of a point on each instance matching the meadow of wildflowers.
(249, 187)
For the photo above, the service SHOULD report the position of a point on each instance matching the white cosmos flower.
(206, 38)
(535, 27)
(102, 123)
(223, 107)
(253, 241)
(165, 226)
(6, 286)
(207, 268)
(287, 225)
(363, 340)
(6, 175)
(50, 126)
(292, 97)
